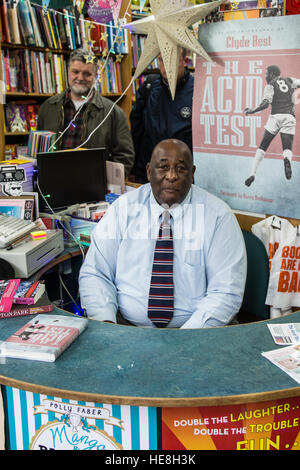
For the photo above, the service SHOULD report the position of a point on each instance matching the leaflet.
(285, 333)
(287, 359)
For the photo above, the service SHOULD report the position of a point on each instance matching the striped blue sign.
(44, 422)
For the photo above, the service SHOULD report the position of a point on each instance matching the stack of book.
(40, 141)
(21, 297)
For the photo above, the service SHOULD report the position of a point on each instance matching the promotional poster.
(250, 167)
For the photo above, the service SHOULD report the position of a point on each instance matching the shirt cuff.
(107, 313)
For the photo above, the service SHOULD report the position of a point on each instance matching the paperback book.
(44, 338)
(8, 288)
(43, 305)
(29, 292)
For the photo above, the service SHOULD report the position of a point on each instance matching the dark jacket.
(155, 117)
(113, 134)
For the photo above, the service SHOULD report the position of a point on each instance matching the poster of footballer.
(246, 114)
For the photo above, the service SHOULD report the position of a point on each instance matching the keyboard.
(12, 228)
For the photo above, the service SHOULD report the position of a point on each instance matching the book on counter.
(43, 305)
(29, 292)
(44, 337)
(8, 288)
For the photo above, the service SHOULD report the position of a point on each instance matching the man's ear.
(148, 171)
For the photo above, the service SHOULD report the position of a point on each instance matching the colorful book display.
(43, 338)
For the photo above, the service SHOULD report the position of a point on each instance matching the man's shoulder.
(138, 195)
(212, 202)
(55, 99)
(102, 102)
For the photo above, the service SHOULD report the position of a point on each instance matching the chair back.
(257, 279)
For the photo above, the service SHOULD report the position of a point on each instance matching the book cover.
(8, 290)
(68, 29)
(61, 30)
(44, 23)
(32, 116)
(72, 28)
(29, 292)
(43, 305)
(34, 71)
(29, 75)
(40, 23)
(25, 23)
(226, 136)
(5, 25)
(51, 29)
(12, 17)
(13, 72)
(6, 70)
(35, 25)
(55, 29)
(43, 338)
(16, 117)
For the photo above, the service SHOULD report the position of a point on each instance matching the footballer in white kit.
(278, 93)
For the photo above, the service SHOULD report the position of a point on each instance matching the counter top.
(157, 367)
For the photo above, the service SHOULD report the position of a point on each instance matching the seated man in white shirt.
(208, 253)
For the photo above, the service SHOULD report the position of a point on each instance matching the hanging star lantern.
(167, 30)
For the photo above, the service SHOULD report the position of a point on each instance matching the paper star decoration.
(90, 57)
(167, 30)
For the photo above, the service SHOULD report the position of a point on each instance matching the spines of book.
(29, 24)
(138, 42)
(29, 71)
(110, 78)
(40, 141)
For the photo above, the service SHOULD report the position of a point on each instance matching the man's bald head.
(170, 171)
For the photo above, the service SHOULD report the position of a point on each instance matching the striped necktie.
(161, 300)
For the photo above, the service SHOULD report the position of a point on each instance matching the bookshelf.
(44, 61)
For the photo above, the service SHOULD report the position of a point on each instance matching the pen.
(17, 242)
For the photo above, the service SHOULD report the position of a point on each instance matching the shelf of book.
(34, 65)
(15, 133)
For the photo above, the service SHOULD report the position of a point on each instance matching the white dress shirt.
(209, 260)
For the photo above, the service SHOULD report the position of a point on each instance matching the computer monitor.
(69, 177)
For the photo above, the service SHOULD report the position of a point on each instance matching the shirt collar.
(176, 211)
(69, 99)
